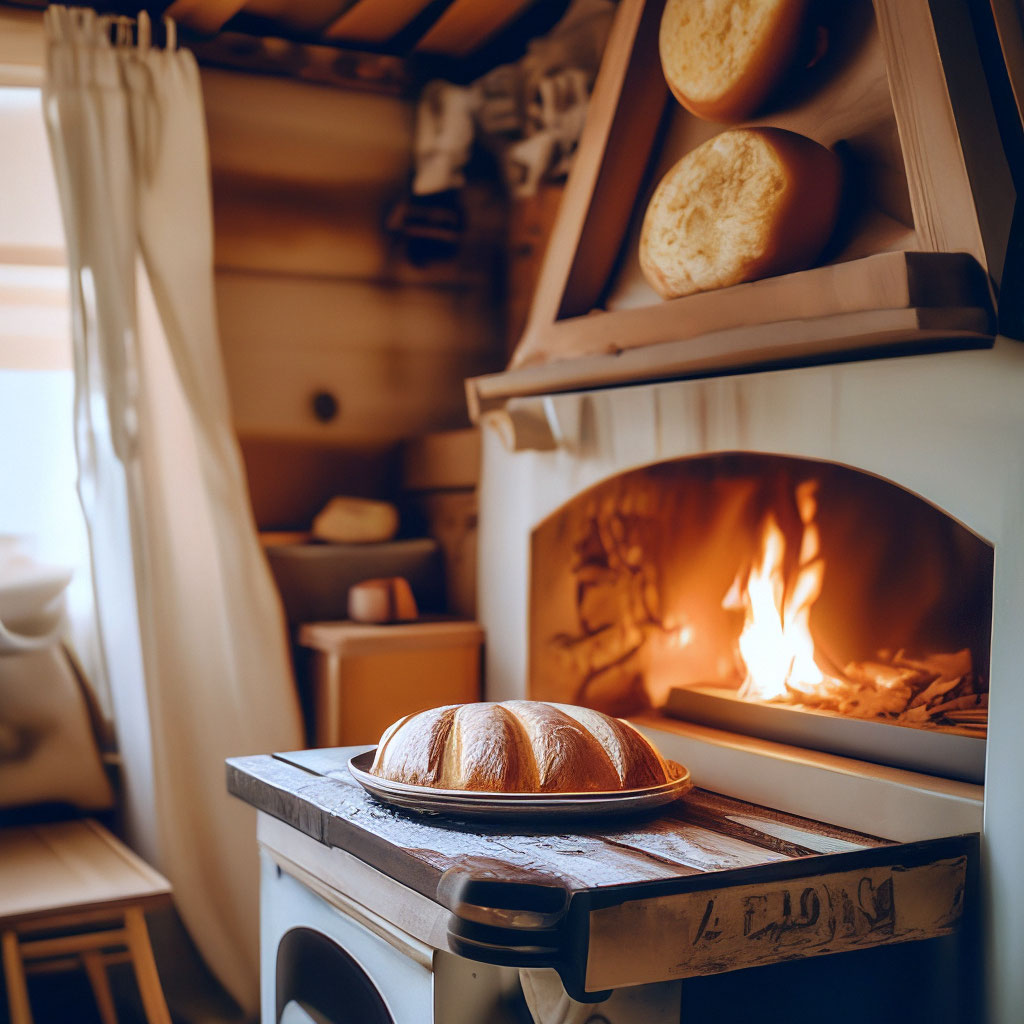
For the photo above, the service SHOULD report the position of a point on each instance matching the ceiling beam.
(204, 16)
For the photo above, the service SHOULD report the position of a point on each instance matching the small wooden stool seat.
(71, 893)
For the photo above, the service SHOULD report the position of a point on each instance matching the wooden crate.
(901, 94)
(364, 676)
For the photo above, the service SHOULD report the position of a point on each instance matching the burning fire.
(776, 646)
(781, 660)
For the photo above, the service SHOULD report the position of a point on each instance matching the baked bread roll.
(722, 58)
(749, 203)
(518, 746)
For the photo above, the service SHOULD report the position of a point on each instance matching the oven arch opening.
(642, 586)
(315, 973)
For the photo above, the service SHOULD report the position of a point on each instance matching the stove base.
(382, 974)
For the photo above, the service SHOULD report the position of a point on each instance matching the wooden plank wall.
(315, 296)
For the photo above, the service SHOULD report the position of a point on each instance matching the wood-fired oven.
(942, 431)
(797, 600)
(693, 502)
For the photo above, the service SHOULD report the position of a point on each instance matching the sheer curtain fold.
(193, 632)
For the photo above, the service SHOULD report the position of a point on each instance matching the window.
(38, 501)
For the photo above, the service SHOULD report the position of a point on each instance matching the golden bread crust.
(487, 750)
(418, 756)
(748, 203)
(518, 747)
(723, 58)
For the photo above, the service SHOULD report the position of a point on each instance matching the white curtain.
(193, 634)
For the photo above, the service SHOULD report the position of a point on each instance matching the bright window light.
(38, 470)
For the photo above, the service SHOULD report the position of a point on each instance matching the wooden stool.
(76, 879)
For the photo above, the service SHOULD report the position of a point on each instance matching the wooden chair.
(72, 894)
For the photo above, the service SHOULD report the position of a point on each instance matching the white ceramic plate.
(516, 806)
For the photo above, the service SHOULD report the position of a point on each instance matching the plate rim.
(430, 794)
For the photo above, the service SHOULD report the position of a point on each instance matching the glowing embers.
(782, 662)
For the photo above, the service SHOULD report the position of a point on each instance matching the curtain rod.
(321, 64)
(128, 31)
(120, 29)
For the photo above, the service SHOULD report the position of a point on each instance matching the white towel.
(548, 1001)
(550, 1004)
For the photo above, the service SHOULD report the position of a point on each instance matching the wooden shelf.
(787, 343)
(887, 281)
(912, 265)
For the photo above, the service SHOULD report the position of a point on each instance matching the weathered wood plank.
(313, 791)
(417, 851)
(696, 846)
(890, 280)
(787, 833)
(785, 343)
(297, 797)
(691, 934)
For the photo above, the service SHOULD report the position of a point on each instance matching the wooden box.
(901, 94)
(440, 473)
(364, 677)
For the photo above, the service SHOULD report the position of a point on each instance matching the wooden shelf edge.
(890, 280)
(969, 792)
(865, 333)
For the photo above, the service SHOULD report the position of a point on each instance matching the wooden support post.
(97, 973)
(145, 968)
(14, 972)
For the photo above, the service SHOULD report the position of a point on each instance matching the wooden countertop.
(705, 885)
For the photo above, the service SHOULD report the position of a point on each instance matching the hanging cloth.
(192, 630)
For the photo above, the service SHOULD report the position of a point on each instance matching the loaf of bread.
(722, 58)
(346, 520)
(518, 746)
(748, 203)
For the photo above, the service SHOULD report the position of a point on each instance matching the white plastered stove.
(948, 427)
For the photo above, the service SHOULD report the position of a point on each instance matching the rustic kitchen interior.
(357, 363)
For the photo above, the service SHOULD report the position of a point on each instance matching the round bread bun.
(748, 203)
(518, 746)
(722, 58)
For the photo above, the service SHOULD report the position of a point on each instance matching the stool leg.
(97, 973)
(14, 972)
(145, 968)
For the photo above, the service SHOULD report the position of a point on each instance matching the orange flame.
(776, 645)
